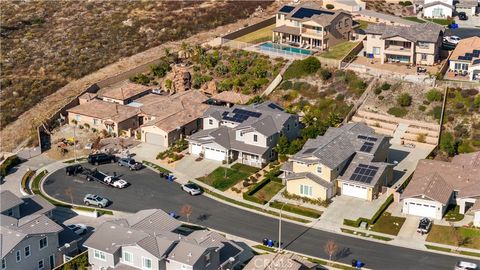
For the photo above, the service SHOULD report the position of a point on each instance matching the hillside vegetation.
(47, 44)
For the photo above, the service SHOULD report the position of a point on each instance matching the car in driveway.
(424, 225)
(462, 265)
(100, 158)
(452, 39)
(95, 200)
(78, 229)
(73, 169)
(130, 163)
(462, 16)
(192, 189)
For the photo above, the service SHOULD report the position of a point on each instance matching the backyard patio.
(394, 67)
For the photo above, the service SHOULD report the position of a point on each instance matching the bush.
(9, 163)
(434, 95)
(377, 91)
(404, 100)
(296, 209)
(397, 111)
(140, 79)
(330, 6)
(448, 144)
(422, 108)
(436, 112)
(325, 74)
(286, 85)
(381, 97)
(300, 68)
(385, 86)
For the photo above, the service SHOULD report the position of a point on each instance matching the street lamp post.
(75, 142)
(280, 229)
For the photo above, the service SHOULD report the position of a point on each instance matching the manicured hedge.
(9, 163)
(252, 190)
(25, 179)
(383, 207)
(304, 211)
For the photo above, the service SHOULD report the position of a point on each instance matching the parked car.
(100, 158)
(95, 200)
(130, 163)
(452, 39)
(462, 16)
(424, 226)
(109, 180)
(78, 229)
(74, 169)
(192, 189)
(461, 265)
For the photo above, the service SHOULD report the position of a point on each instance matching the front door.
(52, 261)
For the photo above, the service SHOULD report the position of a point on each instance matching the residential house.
(418, 44)
(436, 185)
(470, 7)
(284, 261)
(378, 17)
(465, 59)
(29, 238)
(347, 5)
(152, 239)
(350, 160)
(310, 26)
(438, 9)
(247, 133)
(123, 92)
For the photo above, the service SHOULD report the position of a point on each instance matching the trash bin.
(359, 264)
(270, 243)
(161, 174)
(354, 262)
(173, 214)
(265, 241)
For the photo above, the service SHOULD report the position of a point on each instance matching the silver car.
(192, 189)
(95, 200)
(462, 265)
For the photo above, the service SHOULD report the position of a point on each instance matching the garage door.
(422, 210)
(154, 138)
(195, 149)
(354, 191)
(214, 154)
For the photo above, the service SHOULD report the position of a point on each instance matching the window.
(26, 250)
(296, 124)
(296, 23)
(96, 122)
(255, 138)
(78, 118)
(210, 121)
(127, 257)
(207, 259)
(18, 255)
(146, 263)
(319, 169)
(40, 265)
(376, 50)
(279, 16)
(43, 243)
(423, 45)
(10, 212)
(99, 255)
(424, 56)
(4, 264)
(306, 190)
(318, 29)
(288, 127)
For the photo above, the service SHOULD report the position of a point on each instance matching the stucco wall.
(31, 262)
(439, 208)
(318, 191)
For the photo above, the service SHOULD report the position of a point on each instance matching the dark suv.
(96, 159)
(74, 169)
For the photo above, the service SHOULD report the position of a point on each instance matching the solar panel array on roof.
(364, 173)
(309, 151)
(366, 147)
(247, 113)
(372, 139)
(239, 115)
(286, 9)
(308, 13)
(476, 61)
(275, 106)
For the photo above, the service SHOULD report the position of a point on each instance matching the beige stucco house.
(350, 160)
(310, 26)
(465, 59)
(418, 44)
(123, 92)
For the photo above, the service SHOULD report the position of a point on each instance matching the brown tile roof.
(123, 90)
(433, 178)
(428, 32)
(232, 97)
(475, 207)
(465, 46)
(471, 159)
(105, 110)
(88, 96)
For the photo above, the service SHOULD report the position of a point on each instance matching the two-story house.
(244, 133)
(310, 26)
(349, 160)
(30, 240)
(464, 61)
(151, 239)
(418, 44)
(438, 9)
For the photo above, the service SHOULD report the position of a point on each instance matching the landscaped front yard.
(339, 51)
(224, 178)
(453, 214)
(268, 191)
(388, 224)
(464, 237)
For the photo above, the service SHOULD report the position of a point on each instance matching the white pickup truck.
(106, 179)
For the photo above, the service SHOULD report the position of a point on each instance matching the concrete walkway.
(398, 134)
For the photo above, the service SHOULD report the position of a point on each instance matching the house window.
(146, 263)
(27, 251)
(318, 29)
(40, 265)
(296, 23)
(279, 16)
(423, 45)
(319, 169)
(207, 259)
(4, 264)
(376, 50)
(255, 138)
(127, 257)
(288, 127)
(464, 66)
(306, 190)
(96, 122)
(424, 56)
(99, 255)
(18, 255)
(78, 118)
(296, 124)
(210, 121)
(43, 243)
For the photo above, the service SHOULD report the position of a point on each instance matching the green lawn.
(388, 224)
(339, 51)
(297, 209)
(445, 235)
(414, 19)
(245, 168)
(453, 213)
(363, 24)
(261, 35)
(223, 178)
(268, 191)
(442, 21)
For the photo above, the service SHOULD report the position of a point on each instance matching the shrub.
(448, 144)
(421, 138)
(397, 111)
(436, 112)
(325, 74)
(300, 68)
(422, 108)
(434, 95)
(140, 79)
(385, 86)
(9, 163)
(404, 100)
(286, 85)
(381, 97)
(459, 105)
(340, 97)
(377, 91)
(330, 6)
(426, 102)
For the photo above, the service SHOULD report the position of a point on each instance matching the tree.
(448, 144)
(404, 100)
(331, 248)
(282, 145)
(168, 84)
(434, 95)
(186, 210)
(311, 64)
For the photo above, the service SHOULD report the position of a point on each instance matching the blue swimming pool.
(269, 46)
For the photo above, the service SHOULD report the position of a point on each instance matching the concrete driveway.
(146, 151)
(195, 169)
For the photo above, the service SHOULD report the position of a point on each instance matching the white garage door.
(422, 210)
(354, 191)
(195, 149)
(154, 138)
(214, 154)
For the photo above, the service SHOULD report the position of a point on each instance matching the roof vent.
(112, 227)
(129, 232)
(190, 254)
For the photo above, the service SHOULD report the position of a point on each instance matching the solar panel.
(308, 13)
(286, 9)
(275, 106)
(476, 61)
(366, 147)
(372, 139)
(364, 173)
(476, 51)
(309, 151)
(248, 113)
(363, 137)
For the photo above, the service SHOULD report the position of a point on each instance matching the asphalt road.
(463, 32)
(147, 190)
